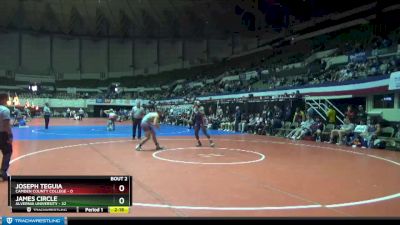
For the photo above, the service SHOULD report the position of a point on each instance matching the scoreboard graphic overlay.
(75, 194)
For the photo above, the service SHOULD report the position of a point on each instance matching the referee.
(47, 114)
(6, 137)
(81, 113)
(137, 116)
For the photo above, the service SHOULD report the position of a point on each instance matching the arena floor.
(244, 175)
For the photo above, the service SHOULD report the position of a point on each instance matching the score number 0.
(121, 200)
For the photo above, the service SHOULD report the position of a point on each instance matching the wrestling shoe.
(138, 148)
(212, 144)
(159, 148)
(198, 144)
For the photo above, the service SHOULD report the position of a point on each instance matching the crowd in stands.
(353, 70)
(31, 95)
(272, 69)
(58, 95)
(269, 79)
(212, 88)
(357, 129)
(288, 118)
(356, 70)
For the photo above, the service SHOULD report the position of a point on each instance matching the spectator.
(383, 68)
(360, 135)
(288, 112)
(238, 117)
(386, 43)
(270, 114)
(323, 65)
(344, 130)
(374, 130)
(265, 112)
(350, 113)
(277, 120)
(243, 123)
(210, 111)
(220, 112)
(305, 128)
(231, 123)
(298, 116)
(224, 123)
(316, 129)
(331, 114)
(260, 125)
(68, 115)
(227, 111)
(251, 124)
(215, 122)
(397, 135)
(310, 111)
(361, 114)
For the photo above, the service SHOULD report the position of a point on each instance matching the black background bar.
(232, 220)
(61, 178)
(93, 209)
(9, 191)
(35, 210)
(130, 190)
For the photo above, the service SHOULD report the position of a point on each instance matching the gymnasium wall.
(65, 54)
(70, 58)
(8, 51)
(219, 49)
(170, 55)
(145, 56)
(120, 55)
(195, 52)
(94, 56)
(35, 54)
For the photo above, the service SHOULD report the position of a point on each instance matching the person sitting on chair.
(344, 130)
(304, 129)
(316, 129)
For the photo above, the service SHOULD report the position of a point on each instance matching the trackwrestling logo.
(33, 220)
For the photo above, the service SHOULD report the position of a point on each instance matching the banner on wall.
(242, 77)
(394, 81)
(71, 90)
(250, 75)
(126, 102)
(119, 101)
(358, 57)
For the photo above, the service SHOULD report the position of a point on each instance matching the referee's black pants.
(46, 121)
(136, 124)
(6, 150)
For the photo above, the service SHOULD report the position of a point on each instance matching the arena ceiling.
(163, 18)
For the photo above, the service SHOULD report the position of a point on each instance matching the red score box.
(111, 188)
